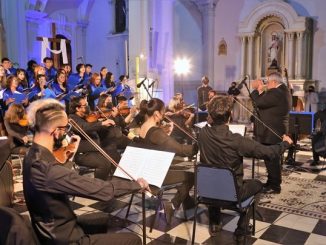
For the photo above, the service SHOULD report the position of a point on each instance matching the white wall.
(102, 50)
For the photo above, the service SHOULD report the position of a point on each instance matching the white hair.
(42, 104)
(275, 76)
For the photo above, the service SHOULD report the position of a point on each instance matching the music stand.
(300, 123)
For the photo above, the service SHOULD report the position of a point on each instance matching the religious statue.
(273, 51)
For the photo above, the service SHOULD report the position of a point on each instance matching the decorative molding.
(291, 20)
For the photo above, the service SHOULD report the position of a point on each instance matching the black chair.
(14, 229)
(217, 186)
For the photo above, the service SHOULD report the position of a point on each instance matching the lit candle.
(126, 57)
(137, 72)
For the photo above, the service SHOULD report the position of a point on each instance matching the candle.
(137, 72)
(126, 57)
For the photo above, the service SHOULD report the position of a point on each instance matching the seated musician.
(47, 184)
(119, 116)
(182, 116)
(17, 128)
(219, 146)
(11, 94)
(152, 114)
(103, 132)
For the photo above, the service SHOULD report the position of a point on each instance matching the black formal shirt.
(219, 146)
(156, 136)
(47, 185)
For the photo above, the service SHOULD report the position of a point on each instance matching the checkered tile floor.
(276, 227)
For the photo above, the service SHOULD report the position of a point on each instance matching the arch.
(278, 8)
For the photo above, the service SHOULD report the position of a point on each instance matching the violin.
(124, 111)
(63, 154)
(93, 117)
(23, 122)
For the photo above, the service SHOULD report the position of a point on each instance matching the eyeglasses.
(66, 128)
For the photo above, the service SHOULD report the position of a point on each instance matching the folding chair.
(217, 186)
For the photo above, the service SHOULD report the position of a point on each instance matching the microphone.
(141, 83)
(243, 81)
(80, 58)
(151, 84)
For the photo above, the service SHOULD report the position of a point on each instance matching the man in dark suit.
(202, 93)
(273, 109)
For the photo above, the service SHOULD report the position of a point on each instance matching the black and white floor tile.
(276, 227)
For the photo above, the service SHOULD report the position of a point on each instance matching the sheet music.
(152, 165)
(234, 128)
(238, 129)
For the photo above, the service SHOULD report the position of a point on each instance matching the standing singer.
(202, 93)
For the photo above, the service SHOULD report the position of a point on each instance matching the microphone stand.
(256, 113)
(148, 93)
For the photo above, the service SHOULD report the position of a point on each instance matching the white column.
(290, 38)
(243, 56)
(298, 72)
(14, 24)
(207, 9)
(250, 55)
(258, 58)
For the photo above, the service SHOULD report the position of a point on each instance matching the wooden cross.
(55, 41)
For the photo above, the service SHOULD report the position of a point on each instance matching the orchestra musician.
(181, 115)
(219, 146)
(47, 184)
(273, 107)
(17, 128)
(151, 115)
(104, 132)
(202, 93)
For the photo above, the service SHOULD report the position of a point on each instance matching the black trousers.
(274, 172)
(249, 188)
(93, 159)
(182, 196)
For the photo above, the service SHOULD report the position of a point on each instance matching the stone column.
(207, 9)
(258, 55)
(243, 56)
(250, 54)
(298, 72)
(290, 56)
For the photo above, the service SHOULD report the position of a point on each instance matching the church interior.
(136, 50)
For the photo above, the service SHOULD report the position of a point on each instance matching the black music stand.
(300, 123)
